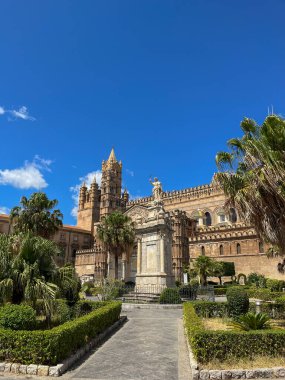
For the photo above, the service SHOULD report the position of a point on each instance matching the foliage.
(28, 271)
(238, 301)
(275, 285)
(262, 294)
(208, 309)
(256, 279)
(170, 296)
(52, 346)
(83, 307)
(224, 268)
(224, 345)
(204, 266)
(251, 321)
(36, 215)
(252, 176)
(116, 231)
(17, 317)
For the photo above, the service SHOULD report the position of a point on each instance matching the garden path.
(150, 346)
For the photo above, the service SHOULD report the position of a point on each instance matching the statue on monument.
(157, 190)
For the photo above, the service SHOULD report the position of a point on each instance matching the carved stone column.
(162, 265)
(139, 256)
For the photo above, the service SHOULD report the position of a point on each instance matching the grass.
(258, 362)
(221, 323)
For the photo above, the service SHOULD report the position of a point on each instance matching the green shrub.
(220, 291)
(170, 295)
(275, 310)
(275, 285)
(17, 317)
(61, 312)
(208, 345)
(238, 302)
(209, 309)
(84, 307)
(52, 346)
(257, 279)
(263, 294)
(251, 321)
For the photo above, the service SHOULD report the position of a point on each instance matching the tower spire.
(112, 156)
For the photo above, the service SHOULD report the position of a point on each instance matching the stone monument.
(154, 243)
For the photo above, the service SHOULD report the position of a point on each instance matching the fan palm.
(117, 234)
(252, 176)
(251, 321)
(204, 266)
(37, 215)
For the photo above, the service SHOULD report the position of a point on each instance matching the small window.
(62, 236)
(207, 219)
(221, 249)
(238, 248)
(232, 215)
(222, 218)
(203, 251)
(261, 247)
(75, 238)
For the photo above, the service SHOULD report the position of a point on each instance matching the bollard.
(258, 303)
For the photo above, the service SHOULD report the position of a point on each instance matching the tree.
(252, 175)
(116, 232)
(28, 271)
(37, 215)
(223, 268)
(204, 266)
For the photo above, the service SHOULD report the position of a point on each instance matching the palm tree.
(204, 266)
(117, 234)
(28, 271)
(37, 215)
(252, 176)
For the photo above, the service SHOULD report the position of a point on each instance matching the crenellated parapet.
(203, 191)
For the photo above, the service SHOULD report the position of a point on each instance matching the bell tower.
(88, 206)
(111, 186)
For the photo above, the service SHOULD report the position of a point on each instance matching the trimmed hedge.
(52, 346)
(263, 294)
(238, 302)
(209, 309)
(223, 345)
(17, 317)
(170, 296)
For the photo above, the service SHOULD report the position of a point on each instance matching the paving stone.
(215, 375)
(145, 347)
(43, 370)
(238, 374)
(15, 368)
(204, 374)
(23, 369)
(279, 371)
(226, 375)
(7, 367)
(32, 369)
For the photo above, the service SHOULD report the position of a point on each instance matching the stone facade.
(199, 223)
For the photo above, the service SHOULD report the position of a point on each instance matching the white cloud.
(29, 176)
(21, 113)
(88, 179)
(4, 210)
(130, 172)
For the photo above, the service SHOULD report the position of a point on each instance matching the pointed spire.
(112, 156)
(94, 180)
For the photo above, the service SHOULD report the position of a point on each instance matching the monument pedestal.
(154, 248)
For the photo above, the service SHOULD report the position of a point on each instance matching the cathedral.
(172, 228)
(199, 226)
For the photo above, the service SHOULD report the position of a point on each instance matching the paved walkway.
(149, 346)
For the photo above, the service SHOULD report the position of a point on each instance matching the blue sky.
(166, 82)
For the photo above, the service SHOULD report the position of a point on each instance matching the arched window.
(232, 215)
(203, 251)
(207, 219)
(238, 248)
(261, 247)
(221, 249)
